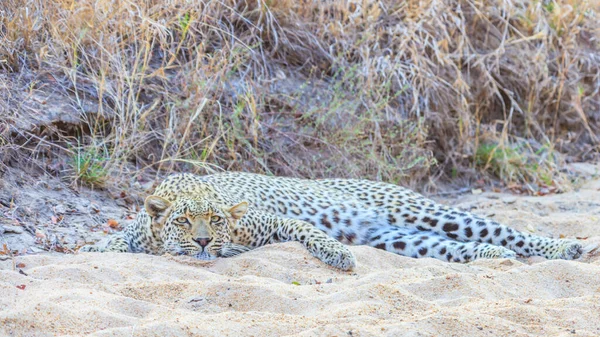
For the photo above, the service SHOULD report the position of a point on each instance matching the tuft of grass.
(501, 160)
(88, 164)
(520, 163)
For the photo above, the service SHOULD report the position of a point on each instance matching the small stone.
(13, 229)
(60, 209)
(329, 281)
(197, 299)
(509, 200)
(148, 186)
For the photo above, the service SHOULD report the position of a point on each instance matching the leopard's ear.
(238, 211)
(156, 206)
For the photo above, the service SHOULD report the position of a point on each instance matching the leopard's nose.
(203, 242)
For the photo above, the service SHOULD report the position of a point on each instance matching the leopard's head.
(193, 226)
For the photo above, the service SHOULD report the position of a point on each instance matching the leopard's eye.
(215, 218)
(182, 219)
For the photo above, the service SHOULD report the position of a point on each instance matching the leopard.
(229, 213)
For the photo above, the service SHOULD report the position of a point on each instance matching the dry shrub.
(377, 89)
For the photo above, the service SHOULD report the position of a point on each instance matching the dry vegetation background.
(100, 91)
(115, 94)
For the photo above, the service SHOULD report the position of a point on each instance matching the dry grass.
(377, 89)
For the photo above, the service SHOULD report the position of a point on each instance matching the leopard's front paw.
(567, 250)
(232, 249)
(338, 256)
(345, 260)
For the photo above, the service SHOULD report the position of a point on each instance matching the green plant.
(88, 165)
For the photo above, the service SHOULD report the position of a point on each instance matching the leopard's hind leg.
(401, 207)
(422, 214)
(414, 243)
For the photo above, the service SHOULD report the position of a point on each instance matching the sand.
(280, 290)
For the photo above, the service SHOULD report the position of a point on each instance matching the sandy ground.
(280, 290)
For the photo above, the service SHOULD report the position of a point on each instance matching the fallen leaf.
(296, 283)
(39, 234)
(20, 265)
(562, 236)
(112, 223)
(95, 208)
(21, 286)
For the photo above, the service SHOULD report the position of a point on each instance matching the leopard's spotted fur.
(322, 215)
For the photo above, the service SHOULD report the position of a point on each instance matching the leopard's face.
(193, 226)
